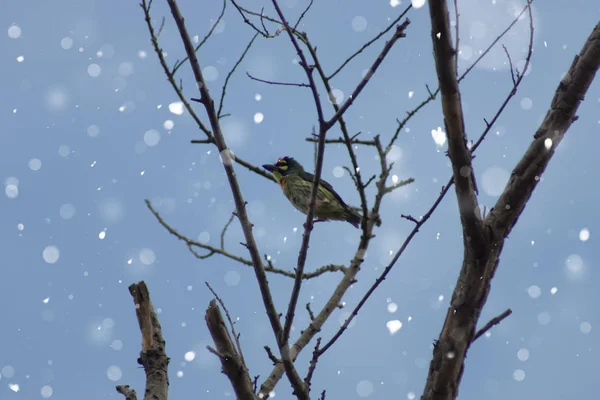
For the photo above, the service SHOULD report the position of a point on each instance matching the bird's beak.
(269, 167)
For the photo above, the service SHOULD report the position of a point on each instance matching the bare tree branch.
(226, 156)
(232, 362)
(460, 155)
(153, 356)
(127, 392)
(474, 282)
(212, 250)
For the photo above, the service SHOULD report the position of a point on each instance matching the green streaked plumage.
(296, 184)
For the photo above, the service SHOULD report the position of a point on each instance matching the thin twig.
(236, 336)
(303, 14)
(170, 77)
(276, 82)
(370, 42)
(204, 40)
(239, 61)
(493, 322)
(313, 364)
(399, 33)
(510, 64)
(225, 230)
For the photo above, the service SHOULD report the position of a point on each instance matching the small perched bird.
(297, 186)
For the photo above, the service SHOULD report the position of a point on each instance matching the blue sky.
(91, 130)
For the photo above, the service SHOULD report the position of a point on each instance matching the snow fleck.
(441, 298)
(142, 54)
(179, 374)
(465, 171)
(35, 164)
(534, 291)
(176, 108)
(584, 234)
(393, 326)
(394, 3)
(67, 211)
(125, 68)
(258, 97)
(395, 154)
(102, 235)
(338, 172)
(169, 124)
(189, 288)
(189, 356)
(392, 307)
(20, 59)
(14, 387)
(204, 237)
(66, 43)
(114, 373)
(94, 70)
(227, 157)
(64, 150)
(526, 103)
(439, 136)
(410, 94)
(117, 345)
(93, 130)
(364, 388)
(411, 396)
(210, 73)
(151, 137)
(142, 173)
(544, 318)
(14, 32)
(494, 179)
(548, 143)
(46, 391)
(359, 23)
(554, 290)
(147, 256)
(51, 254)
(11, 191)
(258, 117)
(8, 371)
(56, 98)
(232, 278)
(523, 354)
(418, 3)
(518, 375)
(336, 96)
(20, 227)
(46, 300)
(574, 264)
(585, 328)
(465, 52)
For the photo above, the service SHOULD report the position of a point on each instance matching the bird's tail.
(353, 217)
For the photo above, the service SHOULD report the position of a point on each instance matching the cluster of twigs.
(483, 237)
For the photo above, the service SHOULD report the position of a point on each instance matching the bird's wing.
(311, 178)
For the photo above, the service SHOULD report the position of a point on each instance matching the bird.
(297, 185)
